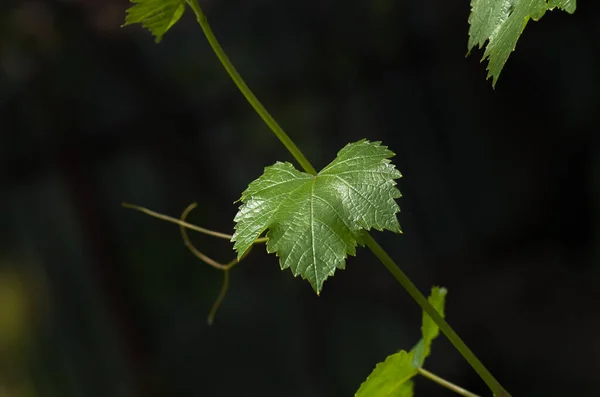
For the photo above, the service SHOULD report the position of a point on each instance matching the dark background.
(501, 198)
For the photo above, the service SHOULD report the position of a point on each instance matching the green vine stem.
(248, 94)
(379, 252)
(414, 292)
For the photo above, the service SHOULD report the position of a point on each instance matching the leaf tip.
(437, 290)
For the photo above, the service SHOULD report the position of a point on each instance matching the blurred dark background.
(501, 198)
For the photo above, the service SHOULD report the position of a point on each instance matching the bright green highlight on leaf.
(314, 221)
(392, 377)
(158, 16)
(501, 22)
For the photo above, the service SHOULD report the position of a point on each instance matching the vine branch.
(377, 250)
(248, 94)
(456, 341)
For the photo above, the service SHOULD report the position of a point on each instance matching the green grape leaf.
(158, 16)
(429, 329)
(315, 221)
(501, 22)
(391, 378)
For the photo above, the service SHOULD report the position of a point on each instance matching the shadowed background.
(501, 198)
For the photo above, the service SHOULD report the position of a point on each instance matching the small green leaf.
(501, 22)
(158, 16)
(390, 378)
(429, 329)
(314, 221)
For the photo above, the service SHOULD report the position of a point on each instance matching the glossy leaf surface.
(314, 221)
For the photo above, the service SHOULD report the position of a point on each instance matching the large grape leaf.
(392, 377)
(501, 22)
(158, 16)
(315, 221)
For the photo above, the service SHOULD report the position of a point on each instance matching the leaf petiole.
(443, 382)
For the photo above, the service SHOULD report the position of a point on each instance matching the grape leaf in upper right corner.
(501, 22)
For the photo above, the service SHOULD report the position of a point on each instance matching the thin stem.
(248, 94)
(183, 226)
(190, 226)
(449, 385)
(210, 261)
(492, 383)
(178, 221)
(195, 251)
(219, 300)
(456, 341)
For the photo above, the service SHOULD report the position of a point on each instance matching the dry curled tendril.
(183, 226)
